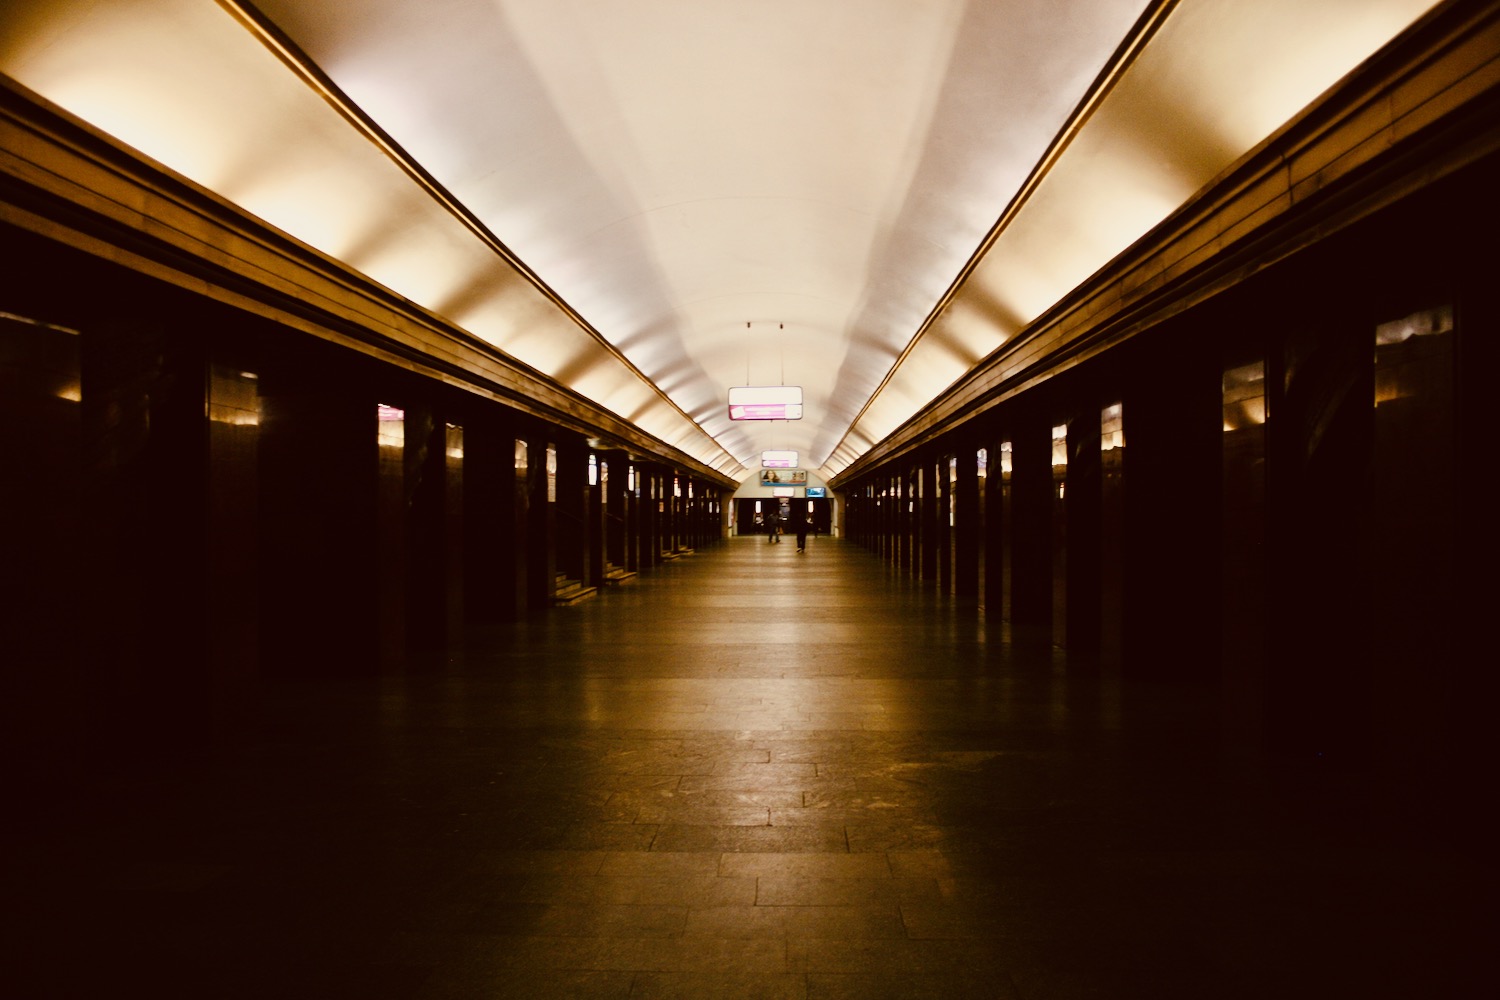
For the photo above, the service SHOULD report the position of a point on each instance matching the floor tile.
(722, 782)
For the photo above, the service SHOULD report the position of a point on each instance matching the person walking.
(773, 526)
(803, 526)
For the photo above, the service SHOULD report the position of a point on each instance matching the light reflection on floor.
(746, 774)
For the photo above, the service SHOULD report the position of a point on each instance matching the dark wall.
(200, 502)
(1298, 516)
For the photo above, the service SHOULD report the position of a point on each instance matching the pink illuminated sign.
(766, 411)
(765, 402)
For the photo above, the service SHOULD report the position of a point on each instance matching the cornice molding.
(1144, 29)
(65, 180)
(1424, 107)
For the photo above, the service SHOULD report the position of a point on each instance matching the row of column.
(198, 498)
(1026, 513)
(1272, 493)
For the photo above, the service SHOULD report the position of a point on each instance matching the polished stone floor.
(750, 773)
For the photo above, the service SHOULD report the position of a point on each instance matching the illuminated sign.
(765, 402)
(817, 493)
(787, 477)
(778, 460)
(783, 491)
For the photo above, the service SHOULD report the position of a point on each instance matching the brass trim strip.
(280, 45)
(1144, 29)
(1315, 163)
(65, 180)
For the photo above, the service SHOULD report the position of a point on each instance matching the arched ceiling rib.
(674, 170)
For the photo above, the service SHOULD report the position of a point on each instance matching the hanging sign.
(765, 402)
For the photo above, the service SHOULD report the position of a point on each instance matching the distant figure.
(802, 528)
(773, 527)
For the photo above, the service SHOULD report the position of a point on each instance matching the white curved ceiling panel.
(818, 170)
(1215, 80)
(188, 85)
(821, 170)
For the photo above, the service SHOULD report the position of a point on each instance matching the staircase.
(616, 575)
(567, 592)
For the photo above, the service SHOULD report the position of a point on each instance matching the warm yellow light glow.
(1112, 428)
(233, 397)
(1245, 396)
(1218, 78)
(1267, 60)
(189, 85)
(1244, 413)
(833, 194)
(391, 423)
(1428, 323)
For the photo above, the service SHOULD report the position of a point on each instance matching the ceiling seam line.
(287, 51)
(162, 257)
(1141, 34)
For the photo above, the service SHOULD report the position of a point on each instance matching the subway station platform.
(750, 773)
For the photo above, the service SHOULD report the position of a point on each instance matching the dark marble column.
(908, 519)
(595, 510)
(1084, 513)
(1033, 500)
(540, 530)
(1318, 470)
(997, 525)
(143, 601)
(1173, 402)
(574, 539)
(1243, 646)
(890, 517)
(319, 482)
(947, 562)
(1060, 527)
(392, 541)
(1468, 695)
(615, 501)
(44, 734)
(432, 521)
(929, 502)
(634, 521)
(1415, 529)
(1112, 477)
(652, 511)
(494, 503)
(671, 519)
(677, 503)
(232, 585)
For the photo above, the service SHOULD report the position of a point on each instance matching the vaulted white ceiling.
(652, 201)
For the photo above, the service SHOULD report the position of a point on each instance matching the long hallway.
(752, 773)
